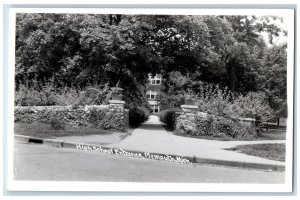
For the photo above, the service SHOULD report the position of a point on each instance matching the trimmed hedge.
(168, 116)
(138, 115)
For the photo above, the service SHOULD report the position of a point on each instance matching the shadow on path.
(153, 123)
(153, 127)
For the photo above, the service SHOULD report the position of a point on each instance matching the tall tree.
(273, 79)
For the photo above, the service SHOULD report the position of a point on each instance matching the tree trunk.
(110, 19)
(278, 121)
(231, 74)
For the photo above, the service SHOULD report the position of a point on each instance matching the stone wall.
(112, 116)
(190, 121)
(185, 119)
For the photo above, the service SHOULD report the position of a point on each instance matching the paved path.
(152, 137)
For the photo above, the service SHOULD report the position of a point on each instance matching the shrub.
(138, 115)
(95, 95)
(32, 97)
(56, 123)
(168, 116)
(214, 100)
(49, 95)
(67, 96)
(254, 104)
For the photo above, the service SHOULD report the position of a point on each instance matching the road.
(42, 162)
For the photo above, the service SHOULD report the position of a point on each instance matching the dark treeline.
(81, 50)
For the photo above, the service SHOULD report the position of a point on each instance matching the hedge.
(138, 115)
(168, 116)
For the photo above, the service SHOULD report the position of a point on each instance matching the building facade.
(153, 90)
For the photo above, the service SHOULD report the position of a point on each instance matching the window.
(154, 109)
(155, 80)
(152, 94)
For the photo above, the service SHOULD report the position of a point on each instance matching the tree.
(273, 78)
(83, 50)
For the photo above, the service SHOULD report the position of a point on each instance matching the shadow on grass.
(45, 131)
(268, 151)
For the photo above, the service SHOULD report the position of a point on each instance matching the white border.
(151, 187)
(156, 2)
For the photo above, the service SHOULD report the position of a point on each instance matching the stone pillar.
(126, 115)
(116, 109)
(117, 103)
(185, 122)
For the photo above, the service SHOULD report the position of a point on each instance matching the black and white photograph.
(202, 99)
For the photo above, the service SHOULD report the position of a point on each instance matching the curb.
(194, 160)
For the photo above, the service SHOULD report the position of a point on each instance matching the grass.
(269, 151)
(273, 134)
(45, 131)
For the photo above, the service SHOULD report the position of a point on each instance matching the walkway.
(152, 137)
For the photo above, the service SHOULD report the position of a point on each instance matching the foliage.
(273, 78)
(138, 115)
(168, 116)
(80, 51)
(95, 96)
(254, 104)
(214, 100)
(49, 94)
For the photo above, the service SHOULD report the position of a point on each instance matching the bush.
(138, 115)
(49, 95)
(32, 97)
(168, 116)
(254, 104)
(95, 96)
(214, 100)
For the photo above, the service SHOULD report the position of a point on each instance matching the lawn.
(273, 134)
(45, 131)
(269, 151)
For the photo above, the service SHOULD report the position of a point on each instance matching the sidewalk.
(151, 137)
